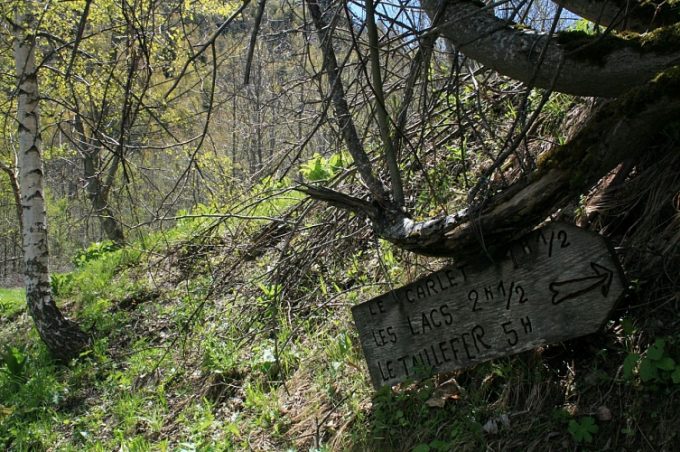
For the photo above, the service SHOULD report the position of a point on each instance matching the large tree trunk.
(63, 337)
(96, 187)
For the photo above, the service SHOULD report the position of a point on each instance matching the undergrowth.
(224, 332)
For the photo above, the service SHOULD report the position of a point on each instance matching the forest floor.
(193, 349)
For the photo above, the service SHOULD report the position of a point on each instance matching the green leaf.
(422, 447)
(438, 444)
(648, 370)
(629, 365)
(666, 363)
(655, 351)
(627, 325)
(675, 376)
(582, 431)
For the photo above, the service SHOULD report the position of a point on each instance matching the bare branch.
(383, 120)
(341, 107)
(253, 40)
(619, 130)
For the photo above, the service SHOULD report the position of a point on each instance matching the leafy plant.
(433, 446)
(60, 282)
(93, 252)
(12, 301)
(656, 365)
(582, 430)
(13, 362)
(318, 168)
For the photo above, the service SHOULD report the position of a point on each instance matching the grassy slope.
(194, 349)
(12, 301)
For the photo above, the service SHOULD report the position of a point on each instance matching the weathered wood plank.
(557, 283)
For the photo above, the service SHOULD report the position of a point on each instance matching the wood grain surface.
(557, 283)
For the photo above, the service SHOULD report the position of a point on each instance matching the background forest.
(224, 180)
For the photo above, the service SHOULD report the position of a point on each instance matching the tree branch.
(383, 119)
(341, 108)
(623, 15)
(620, 129)
(603, 66)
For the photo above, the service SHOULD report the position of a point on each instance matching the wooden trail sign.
(557, 283)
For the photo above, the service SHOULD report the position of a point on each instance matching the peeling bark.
(590, 66)
(63, 337)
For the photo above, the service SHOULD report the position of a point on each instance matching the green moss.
(592, 48)
(666, 39)
(579, 156)
(595, 48)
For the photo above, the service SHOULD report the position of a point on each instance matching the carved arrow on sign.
(572, 288)
(556, 283)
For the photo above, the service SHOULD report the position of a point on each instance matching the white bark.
(62, 337)
(606, 71)
(31, 171)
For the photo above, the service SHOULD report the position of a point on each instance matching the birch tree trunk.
(63, 337)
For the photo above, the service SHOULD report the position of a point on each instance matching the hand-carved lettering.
(425, 323)
(429, 320)
(451, 319)
(388, 368)
(448, 318)
(376, 307)
(434, 314)
(477, 335)
(465, 345)
(520, 291)
(384, 335)
(473, 296)
(562, 235)
(526, 324)
(451, 276)
(552, 238)
(513, 337)
(507, 304)
(430, 287)
(443, 348)
(442, 286)
(402, 360)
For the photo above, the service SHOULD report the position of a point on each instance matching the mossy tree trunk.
(63, 338)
